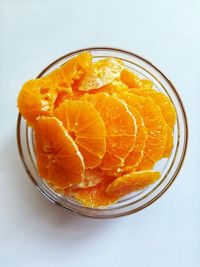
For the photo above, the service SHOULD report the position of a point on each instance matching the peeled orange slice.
(35, 99)
(120, 128)
(93, 197)
(76, 67)
(58, 158)
(169, 143)
(135, 156)
(166, 106)
(85, 125)
(131, 182)
(154, 123)
(130, 79)
(102, 73)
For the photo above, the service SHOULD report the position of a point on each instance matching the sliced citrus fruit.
(85, 125)
(102, 72)
(131, 182)
(135, 156)
(93, 197)
(146, 163)
(166, 106)
(76, 67)
(35, 99)
(130, 79)
(117, 86)
(58, 158)
(92, 177)
(146, 84)
(154, 123)
(169, 143)
(120, 128)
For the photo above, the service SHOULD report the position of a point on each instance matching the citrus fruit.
(169, 143)
(102, 73)
(120, 128)
(131, 182)
(166, 106)
(58, 158)
(85, 125)
(35, 99)
(154, 123)
(168, 112)
(135, 156)
(117, 86)
(146, 84)
(93, 197)
(75, 68)
(130, 79)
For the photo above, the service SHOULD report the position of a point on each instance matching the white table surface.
(33, 232)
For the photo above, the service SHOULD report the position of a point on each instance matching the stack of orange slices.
(98, 129)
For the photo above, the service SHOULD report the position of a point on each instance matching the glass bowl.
(169, 168)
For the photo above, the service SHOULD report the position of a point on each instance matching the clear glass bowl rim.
(184, 118)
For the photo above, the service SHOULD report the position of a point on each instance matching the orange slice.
(115, 87)
(169, 143)
(93, 197)
(35, 99)
(166, 106)
(58, 158)
(131, 182)
(85, 125)
(102, 73)
(130, 79)
(76, 67)
(146, 84)
(120, 128)
(154, 123)
(135, 156)
(168, 112)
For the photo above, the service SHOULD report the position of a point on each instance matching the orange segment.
(85, 125)
(131, 182)
(102, 72)
(169, 143)
(93, 197)
(58, 158)
(120, 128)
(166, 106)
(35, 99)
(154, 123)
(130, 79)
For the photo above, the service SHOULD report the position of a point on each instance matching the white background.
(33, 232)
